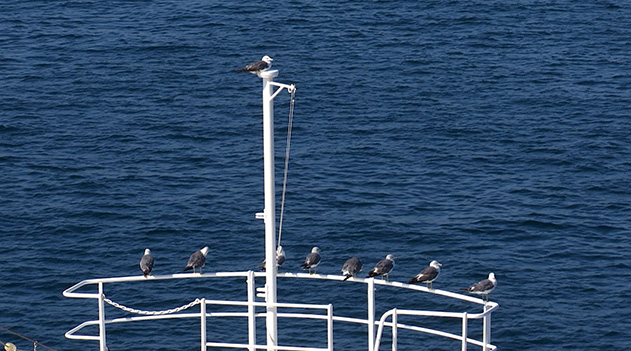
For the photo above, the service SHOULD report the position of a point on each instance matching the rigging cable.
(287, 148)
(35, 343)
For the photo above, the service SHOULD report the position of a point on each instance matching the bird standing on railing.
(197, 260)
(351, 267)
(427, 275)
(383, 268)
(312, 260)
(280, 258)
(483, 287)
(146, 263)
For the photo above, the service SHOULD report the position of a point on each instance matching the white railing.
(374, 339)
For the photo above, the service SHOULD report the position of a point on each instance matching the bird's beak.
(440, 264)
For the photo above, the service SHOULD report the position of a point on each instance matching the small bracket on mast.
(290, 89)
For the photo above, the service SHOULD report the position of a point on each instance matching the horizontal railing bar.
(265, 304)
(351, 320)
(387, 283)
(70, 291)
(439, 314)
(264, 347)
(70, 333)
(148, 318)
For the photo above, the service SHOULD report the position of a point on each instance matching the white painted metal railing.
(374, 339)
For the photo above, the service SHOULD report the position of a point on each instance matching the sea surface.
(491, 136)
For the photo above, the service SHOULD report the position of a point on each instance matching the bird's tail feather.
(345, 279)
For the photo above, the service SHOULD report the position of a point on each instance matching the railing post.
(329, 325)
(394, 330)
(102, 338)
(251, 311)
(465, 320)
(371, 314)
(486, 337)
(202, 314)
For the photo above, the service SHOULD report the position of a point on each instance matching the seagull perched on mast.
(257, 67)
(483, 287)
(427, 275)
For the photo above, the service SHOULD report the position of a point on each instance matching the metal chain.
(151, 313)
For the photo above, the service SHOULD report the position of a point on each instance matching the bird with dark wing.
(258, 66)
(428, 274)
(383, 268)
(351, 267)
(312, 260)
(146, 263)
(197, 260)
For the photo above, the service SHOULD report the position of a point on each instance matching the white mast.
(269, 213)
(270, 205)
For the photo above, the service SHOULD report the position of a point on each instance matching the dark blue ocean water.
(490, 136)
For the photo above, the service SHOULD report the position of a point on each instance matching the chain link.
(151, 313)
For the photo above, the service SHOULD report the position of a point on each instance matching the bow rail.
(322, 312)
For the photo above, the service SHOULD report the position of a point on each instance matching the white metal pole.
(202, 314)
(371, 314)
(464, 331)
(251, 311)
(394, 330)
(486, 325)
(102, 338)
(270, 206)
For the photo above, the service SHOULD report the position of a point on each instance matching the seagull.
(352, 267)
(197, 260)
(427, 275)
(146, 263)
(257, 67)
(383, 267)
(483, 287)
(280, 258)
(312, 260)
